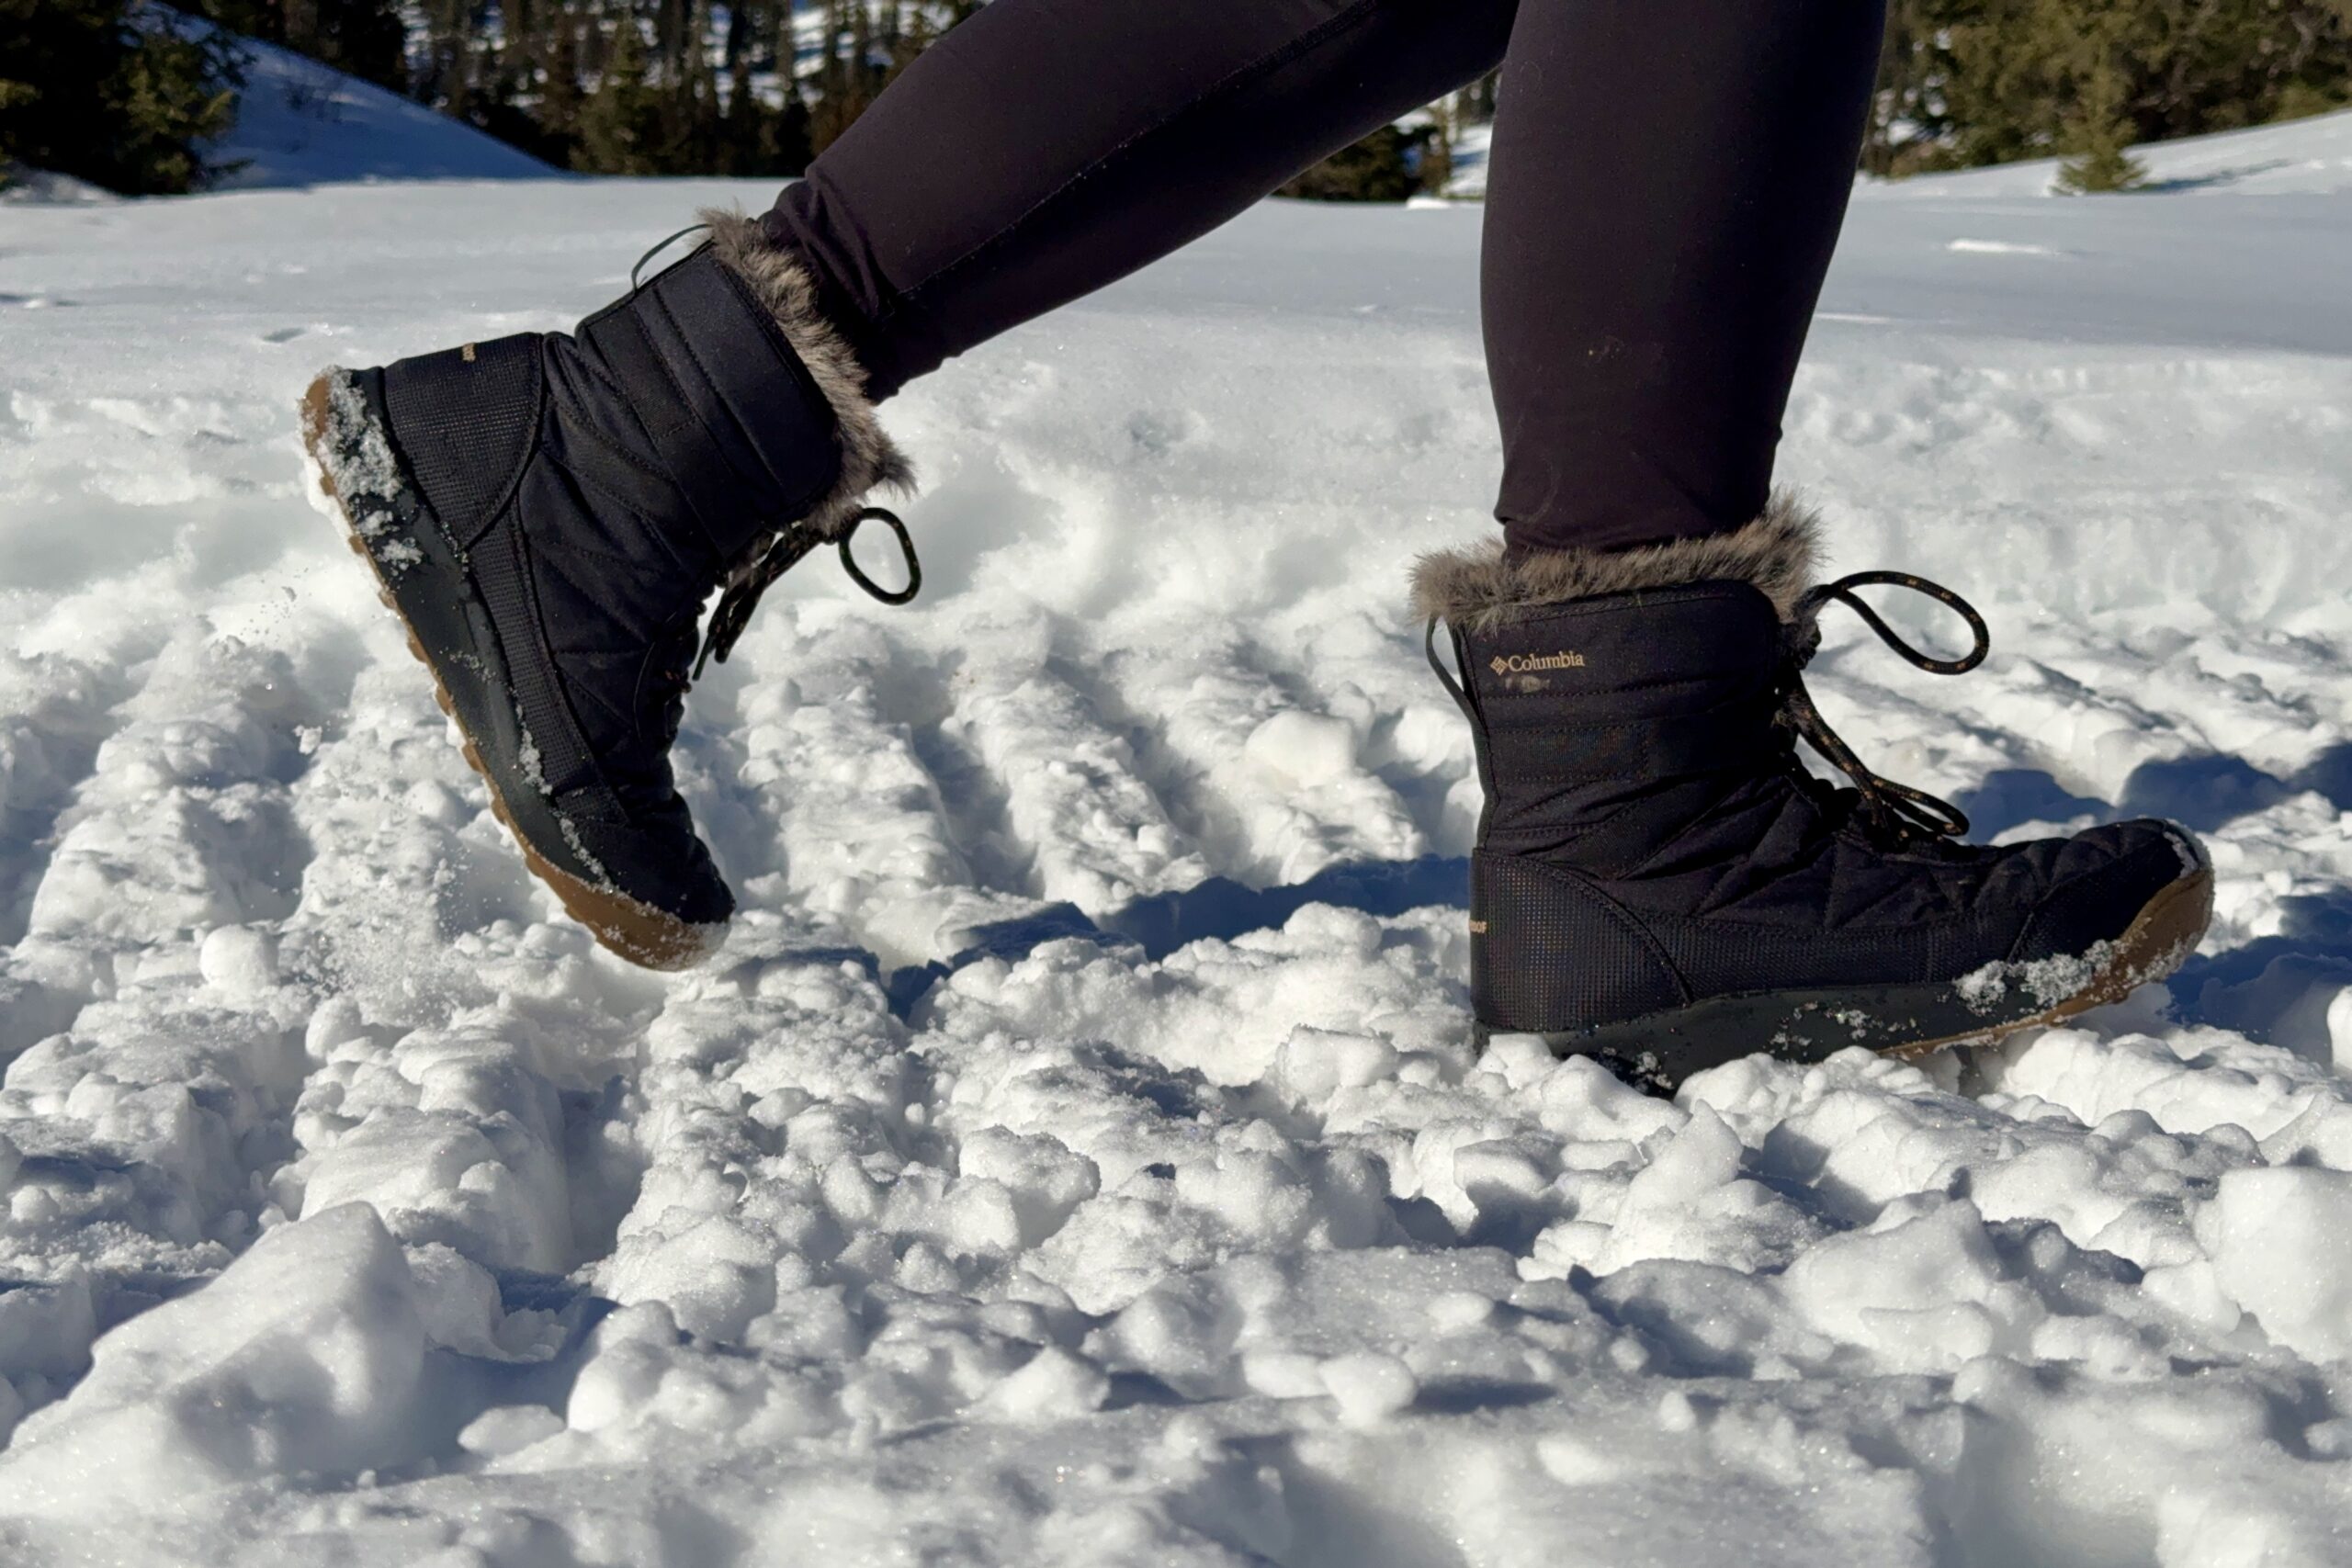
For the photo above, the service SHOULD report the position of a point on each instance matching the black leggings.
(1666, 186)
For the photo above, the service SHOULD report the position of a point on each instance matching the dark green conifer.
(619, 124)
(1384, 166)
(94, 90)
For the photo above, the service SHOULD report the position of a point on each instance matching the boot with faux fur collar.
(1659, 883)
(550, 513)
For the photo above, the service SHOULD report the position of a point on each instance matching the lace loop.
(783, 553)
(659, 246)
(906, 550)
(1894, 809)
(1452, 687)
(1842, 592)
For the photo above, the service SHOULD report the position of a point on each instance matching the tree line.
(104, 90)
(1966, 82)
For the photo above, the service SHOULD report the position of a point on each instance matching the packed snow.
(1077, 1155)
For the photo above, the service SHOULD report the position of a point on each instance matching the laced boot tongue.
(1889, 811)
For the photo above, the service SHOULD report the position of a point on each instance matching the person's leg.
(1667, 183)
(1045, 148)
(1658, 882)
(548, 513)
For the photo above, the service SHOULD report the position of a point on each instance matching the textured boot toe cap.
(665, 865)
(2101, 880)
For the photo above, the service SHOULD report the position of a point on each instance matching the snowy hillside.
(2308, 157)
(1076, 1156)
(2299, 158)
(302, 123)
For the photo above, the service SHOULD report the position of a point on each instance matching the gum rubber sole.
(640, 933)
(2159, 940)
(1905, 1022)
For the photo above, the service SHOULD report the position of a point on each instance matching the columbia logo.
(1519, 663)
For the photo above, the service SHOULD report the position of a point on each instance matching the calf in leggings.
(1659, 882)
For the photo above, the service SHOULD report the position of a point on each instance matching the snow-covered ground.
(1077, 1155)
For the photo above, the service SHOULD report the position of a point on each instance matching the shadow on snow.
(1220, 907)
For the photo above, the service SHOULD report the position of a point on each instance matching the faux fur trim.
(869, 459)
(1476, 586)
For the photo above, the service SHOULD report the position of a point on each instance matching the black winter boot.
(548, 513)
(1658, 881)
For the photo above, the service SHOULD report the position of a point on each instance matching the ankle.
(786, 289)
(1503, 580)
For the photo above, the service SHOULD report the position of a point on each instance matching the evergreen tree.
(94, 90)
(2098, 134)
(559, 95)
(659, 86)
(1971, 82)
(848, 80)
(1478, 99)
(365, 38)
(693, 120)
(620, 124)
(755, 137)
(445, 73)
(1384, 166)
(1904, 112)
(1436, 167)
(910, 35)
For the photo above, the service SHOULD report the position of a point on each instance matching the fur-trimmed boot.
(1659, 882)
(548, 513)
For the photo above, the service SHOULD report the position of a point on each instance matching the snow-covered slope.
(1076, 1156)
(28, 187)
(2307, 157)
(2303, 158)
(302, 123)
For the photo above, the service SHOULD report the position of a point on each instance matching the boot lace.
(783, 550)
(781, 554)
(1889, 811)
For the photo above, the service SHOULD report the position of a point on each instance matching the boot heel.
(1551, 954)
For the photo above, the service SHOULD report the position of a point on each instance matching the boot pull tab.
(1445, 677)
(659, 246)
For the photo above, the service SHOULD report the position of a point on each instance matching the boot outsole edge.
(1662, 1048)
(2159, 940)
